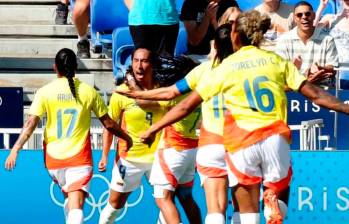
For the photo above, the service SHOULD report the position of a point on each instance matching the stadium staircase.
(29, 40)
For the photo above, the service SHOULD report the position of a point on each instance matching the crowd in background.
(247, 60)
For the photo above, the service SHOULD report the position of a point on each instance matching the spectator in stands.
(62, 12)
(281, 20)
(338, 25)
(200, 19)
(154, 25)
(67, 103)
(310, 48)
(81, 18)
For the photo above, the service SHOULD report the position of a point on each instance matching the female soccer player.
(131, 165)
(210, 156)
(67, 103)
(256, 134)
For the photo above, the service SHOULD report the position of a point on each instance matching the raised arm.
(197, 31)
(181, 110)
(26, 132)
(323, 98)
(319, 11)
(163, 93)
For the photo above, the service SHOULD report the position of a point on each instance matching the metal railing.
(310, 136)
(35, 142)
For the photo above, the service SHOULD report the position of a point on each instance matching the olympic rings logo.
(102, 200)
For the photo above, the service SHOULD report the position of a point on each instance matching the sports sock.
(216, 218)
(75, 216)
(250, 218)
(83, 37)
(161, 219)
(109, 214)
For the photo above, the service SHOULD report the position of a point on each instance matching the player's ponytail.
(66, 64)
(222, 41)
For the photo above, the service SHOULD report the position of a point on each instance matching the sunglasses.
(300, 14)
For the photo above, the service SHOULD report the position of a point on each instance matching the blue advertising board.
(319, 192)
(301, 109)
(11, 110)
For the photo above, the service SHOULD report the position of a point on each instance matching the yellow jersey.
(252, 82)
(211, 131)
(67, 131)
(182, 134)
(135, 120)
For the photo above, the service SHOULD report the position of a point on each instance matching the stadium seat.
(106, 15)
(121, 60)
(121, 36)
(181, 45)
(122, 47)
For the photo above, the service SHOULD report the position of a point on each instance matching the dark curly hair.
(168, 69)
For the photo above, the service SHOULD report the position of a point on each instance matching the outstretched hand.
(297, 61)
(147, 137)
(129, 143)
(10, 162)
(102, 165)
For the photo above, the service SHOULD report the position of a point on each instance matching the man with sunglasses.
(310, 48)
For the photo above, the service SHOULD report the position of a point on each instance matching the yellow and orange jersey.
(182, 134)
(67, 137)
(252, 82)
(190, 81)
(135, 120)
(211, 131)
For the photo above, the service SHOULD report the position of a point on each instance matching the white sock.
(75, 216)
(83, 37)
(66, 209)
(236, 218)
(161, 219)
(109, 214)
(215, 218)
(250, 218)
